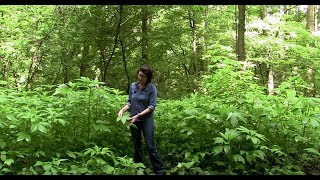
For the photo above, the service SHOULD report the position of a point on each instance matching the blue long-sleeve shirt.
(139, 100)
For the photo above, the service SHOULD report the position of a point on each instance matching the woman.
(141, 103)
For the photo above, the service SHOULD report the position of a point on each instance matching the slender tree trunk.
(312, 27)
(193, 41)
(261, 67)
(203, 61)
(316, 18)
(241, 32)
(236, 26)
(84, 64)
(311, 18)
(144, 40)
(114, 46)
(125, 65)
(263, 15)
(36, 58)
(66, 57)
(270, 81)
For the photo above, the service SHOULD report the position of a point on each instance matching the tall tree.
(240, 33)
(311, 18)
(144, 40)
(84, 63)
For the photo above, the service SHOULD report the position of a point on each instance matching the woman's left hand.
(133, 119)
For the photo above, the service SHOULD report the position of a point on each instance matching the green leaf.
(190, 132)
(8, 162)
(189, 164)
(255, 140)
(186, 155)
(220, 163)
(23, 136)
(291, 94)
(123, 119)
(101, 127)
(39, 163)
(259, 153)
(62, 122)
(312, 150)
(71, 154)
(38, 153)
(314, 122)
(108, 169)
(3, 157)
(42, 128)
(5, 170)
(226, 149)
(219, 140)
(11, 117)
(217, 150)
(3, 144)
(47, 167)
(238, 157)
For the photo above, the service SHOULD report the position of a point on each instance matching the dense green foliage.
(73, 129)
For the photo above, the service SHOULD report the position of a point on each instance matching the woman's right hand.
(120, 113)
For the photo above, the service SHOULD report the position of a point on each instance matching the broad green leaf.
(3, 144)
(71, 154)
(186, 155)
(190, 132)
(62, 122)
(39, 163)
(226, 149)
(255, 140)
(108, 169)
(189, 164)
(23, 136)
(291, 94)
(42, 128)
(5, 170)
(47, 167)
(238, 157)
(8, 162)
(259, 153)
(11, 117)
(220, 163)
(314, 122)
(217, 150)
(3, 157)
(312, 150)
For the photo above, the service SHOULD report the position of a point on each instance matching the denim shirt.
(139, 100)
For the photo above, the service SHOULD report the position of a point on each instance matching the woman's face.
(142, 78)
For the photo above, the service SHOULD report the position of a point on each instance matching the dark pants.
(147, 128)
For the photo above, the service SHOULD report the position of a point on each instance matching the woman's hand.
(134, 118)
(120, 113)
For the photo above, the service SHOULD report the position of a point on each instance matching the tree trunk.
(263, 15)
(66, 57)
(270, 81)
(144, 40)
(125, 65)
(193, 41)
(104, 77)
(241, 31)
(85, 60)
(316, 10)
(311, 18)
(311, 26)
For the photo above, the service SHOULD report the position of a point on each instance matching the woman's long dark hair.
(147, 71)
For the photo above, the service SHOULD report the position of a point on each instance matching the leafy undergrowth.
(74, 129)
